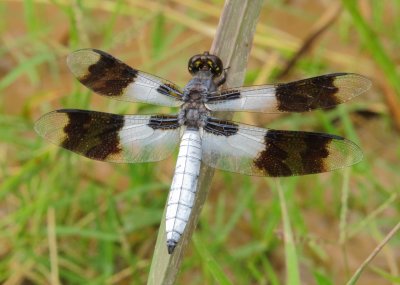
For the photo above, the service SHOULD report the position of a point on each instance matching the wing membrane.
(108, 76)
(110, 137)
(299, 96)
(255, 151)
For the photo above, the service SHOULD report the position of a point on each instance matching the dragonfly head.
(204, 62)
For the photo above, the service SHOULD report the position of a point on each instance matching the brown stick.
(232, 44)
(322, 25)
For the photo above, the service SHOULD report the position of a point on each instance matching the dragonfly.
(202, 137)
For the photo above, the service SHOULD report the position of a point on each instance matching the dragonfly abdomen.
(183, 188)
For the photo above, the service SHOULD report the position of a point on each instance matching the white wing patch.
(252, 99)
(142, 143)
(236, 152)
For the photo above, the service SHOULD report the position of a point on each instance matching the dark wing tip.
(50, 122)
(356, 155)
(80, 60)
(352, 84)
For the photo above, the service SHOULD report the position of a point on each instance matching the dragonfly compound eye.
(205, 62)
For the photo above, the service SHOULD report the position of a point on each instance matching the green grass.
(66, 218)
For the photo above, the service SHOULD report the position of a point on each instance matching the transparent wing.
(110, 137)
(255, 151)
(108, 76)
(299, 96)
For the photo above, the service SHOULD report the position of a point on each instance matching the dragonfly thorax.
(193, 114)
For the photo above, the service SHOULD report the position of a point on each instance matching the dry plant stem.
(343, 217)
(357, 274)
(232, 44)
(392, 101)
(322, 25)
(51, 234)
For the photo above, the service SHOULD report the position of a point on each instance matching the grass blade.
(358, 272)
(292, 264)
(22, 68)
(210, 263)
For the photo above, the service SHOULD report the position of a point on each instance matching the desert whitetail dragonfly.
(218, 143)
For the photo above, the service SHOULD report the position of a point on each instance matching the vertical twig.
(343, 217)
(52, 237)
(232, 43)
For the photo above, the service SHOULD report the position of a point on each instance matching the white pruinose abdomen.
(183, 188)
